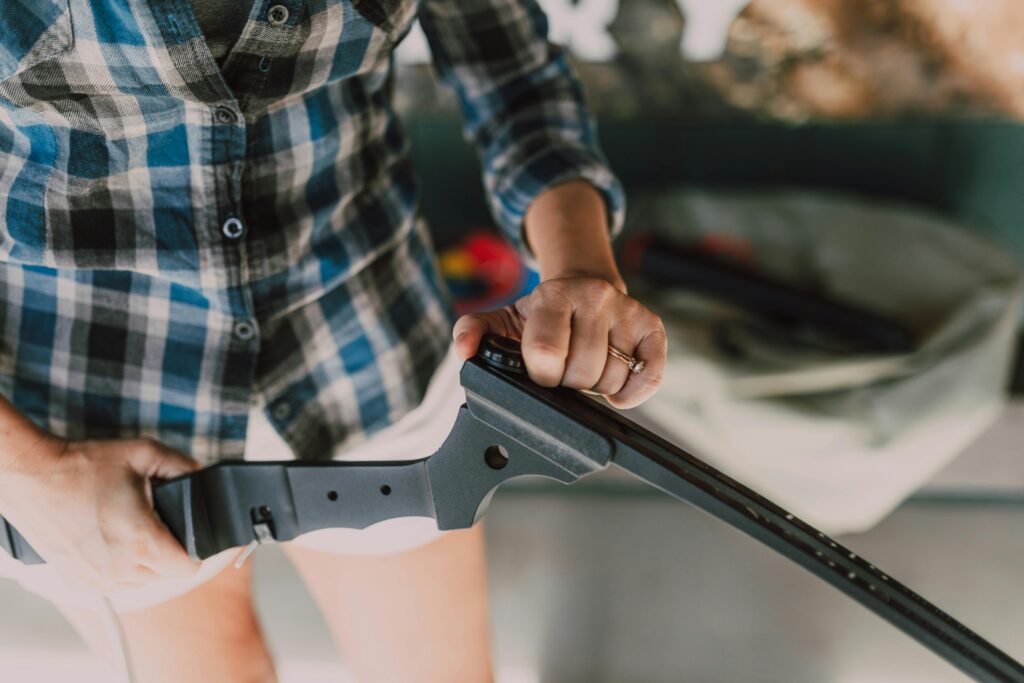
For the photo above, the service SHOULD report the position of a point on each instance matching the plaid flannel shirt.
(181, 241)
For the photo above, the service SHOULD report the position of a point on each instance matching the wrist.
(600, 272)
(24, 446)
(566, 228)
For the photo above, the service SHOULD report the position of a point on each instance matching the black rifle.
(510, 427)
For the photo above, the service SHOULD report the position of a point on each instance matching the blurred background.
(825, 206)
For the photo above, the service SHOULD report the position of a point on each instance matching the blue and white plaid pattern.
(179, 242)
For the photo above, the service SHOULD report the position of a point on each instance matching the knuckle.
(595, 295)
(607, 290)
(546, 370)
(509, 321)
(580, 376)
(542, 350)
(609, 389)
(658, 335)
(555, 295)
(544, 379)
(549, 287)
(147, 446)
(639, 311)
(632, 312)
(654, 379)
(653, 319)
(611, 383)
(600, 290)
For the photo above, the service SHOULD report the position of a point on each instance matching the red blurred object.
(727, 247)
(484, 271)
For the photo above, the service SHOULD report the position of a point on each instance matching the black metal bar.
(687, 478)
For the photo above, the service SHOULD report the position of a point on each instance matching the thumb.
(470, 329)
(155, 461)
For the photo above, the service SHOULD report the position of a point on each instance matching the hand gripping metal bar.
(510, 427)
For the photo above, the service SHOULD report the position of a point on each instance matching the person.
(211, 250)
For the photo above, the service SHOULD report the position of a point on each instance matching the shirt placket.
(273, 33)
(221, 232)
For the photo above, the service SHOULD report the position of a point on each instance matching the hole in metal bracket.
(332, 495)
(385, 490)
(496, 457)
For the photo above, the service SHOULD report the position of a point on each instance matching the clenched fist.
(566, 325)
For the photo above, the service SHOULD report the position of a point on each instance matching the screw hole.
(263, 511)
(332, 495)
(386, 490)
(496, 457)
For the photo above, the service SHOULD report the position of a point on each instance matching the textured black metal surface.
(557, 433)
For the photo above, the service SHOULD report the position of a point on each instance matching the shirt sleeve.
(522, 103)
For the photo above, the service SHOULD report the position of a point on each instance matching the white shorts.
(414, 436)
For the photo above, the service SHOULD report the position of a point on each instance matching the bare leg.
(419, 616)
(208, 634)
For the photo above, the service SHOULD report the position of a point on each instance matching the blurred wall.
(790, 60)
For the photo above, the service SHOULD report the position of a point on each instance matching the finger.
(588, 349)
(615, 373)
(470, 329)
(652, 350)
(629, 324)
(546, 332)
(155, 461)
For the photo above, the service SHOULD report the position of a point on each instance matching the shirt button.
(282, 410)
(244, 330)
(232, 228)
(225, 115)
(277, 15)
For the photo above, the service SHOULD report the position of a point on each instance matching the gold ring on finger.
(635, 365)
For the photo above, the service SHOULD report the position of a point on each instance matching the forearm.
(567, 231)
(525, 111)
